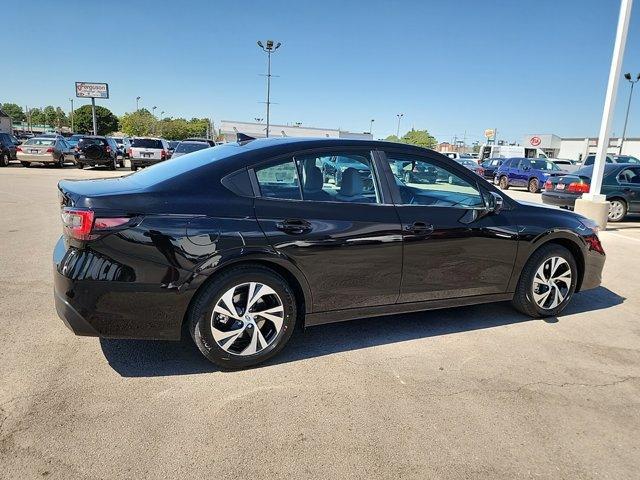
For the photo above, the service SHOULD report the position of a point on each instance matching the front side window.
(337, 177)
(423, 182)
(279, 180)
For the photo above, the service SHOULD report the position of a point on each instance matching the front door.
(345, 239)
(452, 246)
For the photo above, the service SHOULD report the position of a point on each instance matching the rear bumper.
(92, 161)
(558, 199)
(144, 162)
(593, 265)
(25, 157)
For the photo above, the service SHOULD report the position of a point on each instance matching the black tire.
(26, 164)
(4, 160)
(60, 162)
(617, 210)
(523, 297)
(503, 183)
(133, 167)
(201, 310)
(534, 185)
(80, 165)
(113, 165)
(121, 163)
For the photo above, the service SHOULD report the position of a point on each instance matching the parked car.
(620, 184)
(472, 165)
(200, 139)
(55, 151)
(96, 151)
(460, 156)
(530, 173)
(145, 152)
(566, 164)
(490, 165)
(590, 159)
(8, 148)
(124, 144)
(73, 139)
(240, 242)
(334, 166)
(172, 145)
(187, 146)
(412, 172)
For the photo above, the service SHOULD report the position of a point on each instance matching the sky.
(454, 68)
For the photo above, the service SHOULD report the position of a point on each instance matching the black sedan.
(490, 165)
(242, 241)
(620, 184)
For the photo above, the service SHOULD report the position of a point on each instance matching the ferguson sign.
(92, 90)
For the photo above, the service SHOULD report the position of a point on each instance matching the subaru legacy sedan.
(242, 242)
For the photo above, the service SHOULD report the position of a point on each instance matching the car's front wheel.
(4, 160)
(503, 183)
(534, 185)
(243, 317)
(617, 210)
(547, 282)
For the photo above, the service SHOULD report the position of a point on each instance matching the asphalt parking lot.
(473, 392)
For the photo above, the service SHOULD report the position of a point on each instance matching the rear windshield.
(91, 141)
(45, 142)
(177, 166)
(147, 143)
(188, 147)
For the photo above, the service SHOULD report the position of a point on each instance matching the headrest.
(351, 183)
(313, 181)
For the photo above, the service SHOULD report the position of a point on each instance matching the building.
(576, 148)
(5, 123)
(229, 129)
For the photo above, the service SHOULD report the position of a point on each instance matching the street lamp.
(269, 49)
(137, 102)
(153, 110)
(399, 115)
(258, 119)
(626, 118)
(71, 100)
(371, 126)
(161, 114)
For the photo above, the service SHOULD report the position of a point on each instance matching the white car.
(565, 164)
(145, 152)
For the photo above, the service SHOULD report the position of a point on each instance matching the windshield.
(188, 147)
(45, 142)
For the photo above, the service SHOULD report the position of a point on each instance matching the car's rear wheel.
(534, 185)
(244, 317)
(4, 160)
(134, 167)
(80, 165)
(60, 162)
(503, 183)
(113, 165)
(26, 164)
(617, 210)
(547, 282)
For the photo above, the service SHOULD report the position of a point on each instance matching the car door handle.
(294, 226)
(419, 228)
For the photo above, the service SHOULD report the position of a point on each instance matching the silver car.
(55, 151)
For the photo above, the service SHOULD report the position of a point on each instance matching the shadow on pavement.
(145, 358)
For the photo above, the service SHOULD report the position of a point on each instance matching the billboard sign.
(489, 133)
(92, 90)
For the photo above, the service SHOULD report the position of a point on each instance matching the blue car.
(531, 173)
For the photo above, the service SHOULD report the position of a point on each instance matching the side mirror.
(494, 202)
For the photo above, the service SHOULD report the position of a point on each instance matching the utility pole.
(93, 114)
(71, 100)
(371, 126)
(269, 49)
(399, 115)
(137, 103)
(626, 118)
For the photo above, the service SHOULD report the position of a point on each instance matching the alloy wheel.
(247, 318)
(616, 210)
(552, 283)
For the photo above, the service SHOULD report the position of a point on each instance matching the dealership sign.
(92, 90)
(535, 141)
(489, 133)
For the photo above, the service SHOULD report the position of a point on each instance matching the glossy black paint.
(194, 216)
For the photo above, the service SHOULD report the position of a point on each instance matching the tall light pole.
(137, 103)
(155, 120)
(71, 100)
(626, 118)
(269, 48)
(399, 115)
(258, 119)
(371, 126)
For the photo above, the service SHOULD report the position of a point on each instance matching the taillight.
(480, 171)
(49, 150)
(594, 244)
(108, 149)
(577, 187)
(82, 224)
(77, 223)
(18, 149)
(163, 154)
(130, 154)
(548, 185)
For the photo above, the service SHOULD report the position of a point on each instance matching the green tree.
(37, 117)
(421, 138)
(61, 118)
(49, 113)
(392, 138)
(14, 111)
(137, 124)
(106, 121)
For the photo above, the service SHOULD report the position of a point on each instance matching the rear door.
(346, 240)
(629, 180)
(520, 173)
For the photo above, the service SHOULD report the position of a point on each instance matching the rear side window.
(85, 142)
(279, 180)
(147, 143)
(188, 147)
